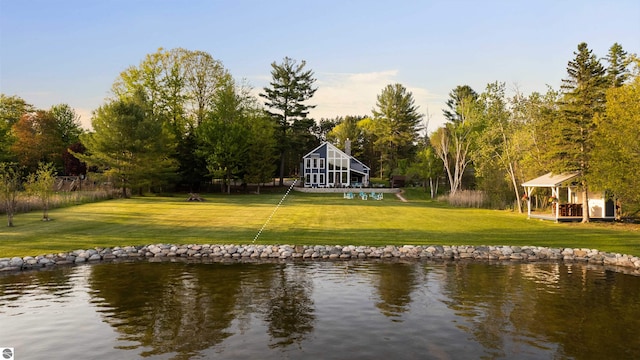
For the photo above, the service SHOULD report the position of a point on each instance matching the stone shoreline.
(624, 263)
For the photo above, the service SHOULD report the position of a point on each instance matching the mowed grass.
(304, 219)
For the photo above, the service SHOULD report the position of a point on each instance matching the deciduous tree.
(37, 139)
(616, 162)
(262, 149)
(180, 88)
(40, 184)
(497, 151)
(10, 182)
(427, 168)
(224, 134)
(454, 142)
(68, 123)
(12, 108)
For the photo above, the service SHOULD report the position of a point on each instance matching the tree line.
(179, 119)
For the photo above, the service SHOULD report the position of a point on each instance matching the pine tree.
(583, 99)
(397, 123)
(290, 87)
(129, 145)
(617, 72)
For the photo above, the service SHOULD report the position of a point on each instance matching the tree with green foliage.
(427, 168)
(290, 87)
(538, 114)
(180, 88)
(12, 108)
(68, 123)
(497, 153)
(616, 158)
(324, 127)
(40, 184)
(10, 182)
(224, 134)
(582, 101)
(348, 128)
(129, 145)
(454, 142)
(262, 149)
(617, 71)
(37, 139)
(397, 123)
(459, 104)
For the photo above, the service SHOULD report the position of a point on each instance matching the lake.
(321, 310)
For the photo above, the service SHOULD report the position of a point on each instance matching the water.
(321, 310)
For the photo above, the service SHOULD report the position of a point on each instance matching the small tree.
(40, 184)
(9, 185)
(427, 169)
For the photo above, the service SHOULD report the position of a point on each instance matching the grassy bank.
(302, 219)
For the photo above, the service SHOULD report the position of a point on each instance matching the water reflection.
(290, 309)
(332, 310)
(571, 311)
(395, 282)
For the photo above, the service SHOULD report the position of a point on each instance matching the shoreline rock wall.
(620, 262)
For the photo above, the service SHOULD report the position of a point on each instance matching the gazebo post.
(555, 191)
(529, 190)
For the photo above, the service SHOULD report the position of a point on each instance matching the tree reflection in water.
(301, 309)
(394, 283)
(186, 308)
(563, 306)
(173, 308)
(290, 312)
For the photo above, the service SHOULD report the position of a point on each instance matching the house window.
(321, 178)
(331, 181)
(345, 177)
(315, 163)
(315, 178)
(307, 163)
(307, 179)
(321, 163)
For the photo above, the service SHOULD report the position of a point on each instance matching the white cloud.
(341, 94)
(85, 117)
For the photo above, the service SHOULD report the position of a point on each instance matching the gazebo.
(567, 200)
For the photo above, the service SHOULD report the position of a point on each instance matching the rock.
(16, 261)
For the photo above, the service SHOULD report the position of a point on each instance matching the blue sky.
(66, 51)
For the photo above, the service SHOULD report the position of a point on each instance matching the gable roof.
(551, 180)
(355, 164)
(315, 151)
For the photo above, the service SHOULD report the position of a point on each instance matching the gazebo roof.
(551, 180)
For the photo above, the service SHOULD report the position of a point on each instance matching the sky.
(68, 51)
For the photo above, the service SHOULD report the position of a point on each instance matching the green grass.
(305, 219)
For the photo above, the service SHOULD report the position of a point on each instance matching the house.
(328, 166)
(566, 199)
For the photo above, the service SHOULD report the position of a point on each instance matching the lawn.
(305, 219)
